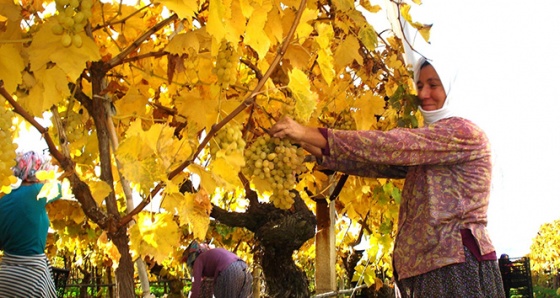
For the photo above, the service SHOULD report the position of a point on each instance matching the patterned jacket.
(448, 170)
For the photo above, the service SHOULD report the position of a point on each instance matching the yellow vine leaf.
(394, 62)
(144, 173)
(235, 23)
(344, 5)
(199, 208)
(52, 89)
(367, 274)
(181, 43)
(423, 29)
(254, 36)
(154, 235)
(11, 66)
(175, 203)
(347, 52)
(185, 9)
(246, 8)
(190, 103)
(228, 167)
(133, 148)
(133, 104)
(208, 180)
(158, 137)
(77, 215)
(405, 12)
(314, 181)
(274, 32)
(325, 57)
(193, 210)
(51, 187)
(46, 47)
(306, 100)
(99, 190)
(43, 175)
(218, 11)
(135, 128)
(137, 154)
(368, 105)
(109, 248)
(304, 28)
(135, 24)
(10, 11)
(391, 87)
(298, 56)
(366, 4)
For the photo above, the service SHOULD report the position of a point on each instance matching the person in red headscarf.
(25, 270)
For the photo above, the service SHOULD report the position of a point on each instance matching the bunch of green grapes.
(7, 148)
(229, 139)
(289, 110)
(72, 18)
(191, 67)
(278, 162)
(343, 120)
(226, 64)
(74, 126)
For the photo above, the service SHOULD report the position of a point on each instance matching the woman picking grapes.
(442, 248)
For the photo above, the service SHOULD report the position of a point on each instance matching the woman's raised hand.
(310, 138)
(288, 128)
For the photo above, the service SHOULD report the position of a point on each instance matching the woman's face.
(430, 90)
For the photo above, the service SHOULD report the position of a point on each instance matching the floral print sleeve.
(445, 142)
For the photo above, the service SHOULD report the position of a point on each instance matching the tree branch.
(120, 57)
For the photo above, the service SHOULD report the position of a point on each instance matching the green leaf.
(368, 37)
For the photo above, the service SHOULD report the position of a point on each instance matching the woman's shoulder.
(459, 123)
(461, 127)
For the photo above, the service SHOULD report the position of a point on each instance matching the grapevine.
(228, 140)
(71, 20)
(277, 162)
(7, 150)
(226, 65)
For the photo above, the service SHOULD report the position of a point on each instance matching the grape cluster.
(277, 162)
(7, 148)
(191, 66)
(226, 65)
(343, 120)
(74, 126)
(228, 140)
(72, 17)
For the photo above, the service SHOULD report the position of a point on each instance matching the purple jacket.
(209, 264)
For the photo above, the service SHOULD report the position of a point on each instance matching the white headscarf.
(447, 74)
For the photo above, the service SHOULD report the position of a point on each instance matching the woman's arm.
(309, 137)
